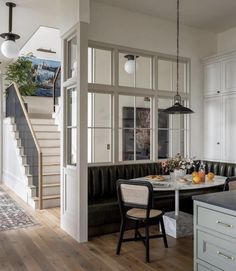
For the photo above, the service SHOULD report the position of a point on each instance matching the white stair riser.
(47, 191)
(23, 160)
(46, 179)
(53, 135)
(51, 179)
(54, 151)
(45, 128)
(42, 121)
(20, 151)
(49, 142)
(50, 203)
(46, 203)
(51, 159)
(51, 169)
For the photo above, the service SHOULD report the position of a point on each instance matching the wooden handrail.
(54, 86)
(40, 169)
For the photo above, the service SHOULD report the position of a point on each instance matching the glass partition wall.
(128, 90)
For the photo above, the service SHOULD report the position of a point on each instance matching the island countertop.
(225, 199)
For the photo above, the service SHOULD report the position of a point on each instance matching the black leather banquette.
(103, 210)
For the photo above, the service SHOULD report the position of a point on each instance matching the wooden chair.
(230, 184)
(138, 195)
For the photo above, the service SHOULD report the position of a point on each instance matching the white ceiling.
(46, 38)
(28, 16)
(210, 15)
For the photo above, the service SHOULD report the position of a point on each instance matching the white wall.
(118, 26)
(227, 41)
(13, 171)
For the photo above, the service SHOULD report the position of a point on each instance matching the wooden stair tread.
(51, 185)
(50, 147)
(51, 164)
(48, 197)
(45, 185)
(47, 132)
(51, 174)
(49, 154)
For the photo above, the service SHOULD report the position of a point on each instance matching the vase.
(172, 176)
(179, 173)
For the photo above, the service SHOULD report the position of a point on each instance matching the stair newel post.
(40, 170)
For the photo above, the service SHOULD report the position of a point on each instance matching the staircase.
(48, 136)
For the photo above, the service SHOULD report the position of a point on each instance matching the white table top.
(169, 185)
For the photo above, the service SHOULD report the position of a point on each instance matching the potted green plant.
(21, 72)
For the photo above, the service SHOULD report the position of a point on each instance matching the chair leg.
(122, 229)
(147, 240)
(136, 230)
(163, 232)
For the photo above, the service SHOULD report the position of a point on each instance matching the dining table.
(178, 185)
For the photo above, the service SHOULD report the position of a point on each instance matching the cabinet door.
(229, 76)
(212, 128)
(229, 134)
(212, 78)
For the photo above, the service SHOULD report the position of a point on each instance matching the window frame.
(154, 93)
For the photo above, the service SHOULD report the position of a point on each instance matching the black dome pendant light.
(177, 108)
(9, 47)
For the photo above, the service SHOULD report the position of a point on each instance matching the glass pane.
(126, 144)
(142, 144)
(143, 112)
(71, 146)
(99, 110)
(99, 145)
(182, 77)
(72, 57)
(143, 72)
(163, 144)
(177, 142)
(126, 111)
(126, 70)
(164, 75)
(71, 107)
(102, 66)
(163, 118)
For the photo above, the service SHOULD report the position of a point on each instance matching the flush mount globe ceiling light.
(9, 47)
(130, 64)
(177, 108)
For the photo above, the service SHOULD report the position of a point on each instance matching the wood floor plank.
(46, 247)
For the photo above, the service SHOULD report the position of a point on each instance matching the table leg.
(176, 202)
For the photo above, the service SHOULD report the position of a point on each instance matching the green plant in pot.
(21, 72)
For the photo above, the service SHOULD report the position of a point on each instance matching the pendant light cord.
(177, 60)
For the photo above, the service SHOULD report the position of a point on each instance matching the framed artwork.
(44, 72)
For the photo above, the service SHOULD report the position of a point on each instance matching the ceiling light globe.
(130, 66)
(9, 49)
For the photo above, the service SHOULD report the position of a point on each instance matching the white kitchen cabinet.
(229, 128)
(219, 107)
(212, 128)
(229, 75)
(212, 78)
(214, 238)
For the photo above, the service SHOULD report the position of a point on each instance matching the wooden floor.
(46, 247)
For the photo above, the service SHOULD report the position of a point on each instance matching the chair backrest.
(230, 184)
(134, 194)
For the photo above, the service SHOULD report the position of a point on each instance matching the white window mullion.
(134, 128)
